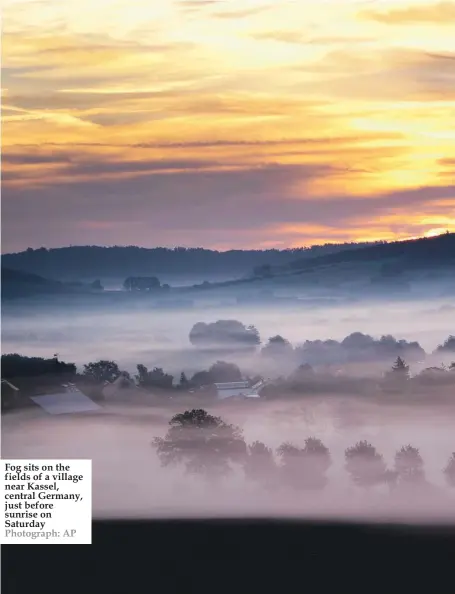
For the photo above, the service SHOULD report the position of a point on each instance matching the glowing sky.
(225, 123)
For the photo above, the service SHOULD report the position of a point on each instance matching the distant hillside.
(85, 262)
(379, 263)
(412, 254)
(16, 283)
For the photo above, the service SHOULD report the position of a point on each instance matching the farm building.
(237, 389)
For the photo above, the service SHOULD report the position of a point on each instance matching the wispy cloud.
(440, 13)
(242, 13)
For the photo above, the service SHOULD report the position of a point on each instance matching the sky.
(225, 123)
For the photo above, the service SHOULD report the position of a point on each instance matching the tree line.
(122, 261)
(304, 380)
(206, 445)
(235, 336)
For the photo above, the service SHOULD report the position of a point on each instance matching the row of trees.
(144, 283)
(232, 335)
(206, 445)
(303, 380)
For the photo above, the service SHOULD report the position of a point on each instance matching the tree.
(204, 444)
(409, 466)
(396, 379)
(141, 283)
(184, 382)
(201, 378)
(101, 371)
(224, 334)
(260, 464)
(18, 366)
(277, 346)
(365, 465)
(153, 379)
(447, 346)
(400, 367)
(221, 371)
(434, 376)
(449, 471)
(304, 468)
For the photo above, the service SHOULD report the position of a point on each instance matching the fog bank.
(128, 480)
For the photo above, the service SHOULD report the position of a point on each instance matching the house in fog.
(236, 389)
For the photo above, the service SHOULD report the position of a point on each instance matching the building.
(69, 400)
(236, 389)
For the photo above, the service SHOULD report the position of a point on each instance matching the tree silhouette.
(225, 334)
(277, 346)
(141, 283)
(204, 444)
(304, 468)
(201, 378)
(101, 371)
(260, 464)
(221, 371)
(17, 366)
(365, 465)
(449, 471)
(400, 367)
(409, 466)
(447, 346)
(153, 379)
(184, 382)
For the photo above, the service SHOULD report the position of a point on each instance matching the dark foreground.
(238, 556)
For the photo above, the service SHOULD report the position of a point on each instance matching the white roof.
(65, 402)
(10, 385)
(232, 385)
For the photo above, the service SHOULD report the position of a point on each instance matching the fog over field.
(141, 334)
(128, 479)
(129, 482)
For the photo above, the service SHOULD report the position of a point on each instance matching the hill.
(93, 262)
(419, 253)
(16, 283)
(385, 264)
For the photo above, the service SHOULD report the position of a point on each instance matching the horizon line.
(207, 249)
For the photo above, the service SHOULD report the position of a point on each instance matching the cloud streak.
(440, 13)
